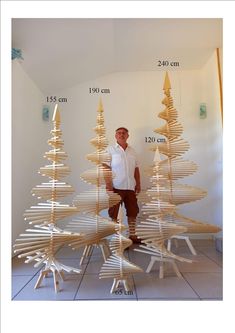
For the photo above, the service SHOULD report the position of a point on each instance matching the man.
(126, 180)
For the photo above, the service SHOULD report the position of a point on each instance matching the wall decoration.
(45, 112)
(16, 54)
(41, 242)
(203, 112)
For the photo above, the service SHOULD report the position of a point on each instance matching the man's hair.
(124, 128)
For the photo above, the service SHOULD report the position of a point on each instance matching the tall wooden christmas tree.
(160, 201)
(175, 168)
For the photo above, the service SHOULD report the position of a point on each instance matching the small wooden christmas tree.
(154, 229)
(117, 266)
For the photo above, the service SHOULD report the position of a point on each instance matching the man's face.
(121, 136)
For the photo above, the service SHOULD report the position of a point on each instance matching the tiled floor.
(202, 280)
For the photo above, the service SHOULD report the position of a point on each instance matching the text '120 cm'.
(151, 139)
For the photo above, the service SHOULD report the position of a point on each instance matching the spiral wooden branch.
(180, 168)
(95, 200)
(37, 245)
(93, 228)
(154, 232)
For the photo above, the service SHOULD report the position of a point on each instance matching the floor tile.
(68, 252)
(206, 285)
(213, 254)
(19, 267)
(180, 246)
(149, 286)
(201, 263)
(140, 259)
(19, 282)
(200, 243)
(202, 279)
(74, 263)
(68, 289)
(94, 288)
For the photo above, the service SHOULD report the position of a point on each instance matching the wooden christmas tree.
(91, 224)
(154, 229)
(117, 266)
(160, 201)
(95, 227)
(41, 243)
(174, 167)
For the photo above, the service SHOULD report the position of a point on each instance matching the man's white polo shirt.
(123, 164)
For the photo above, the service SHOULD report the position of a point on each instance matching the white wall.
(29, 134)
(134, 101)
(213, 135)
(205, 138)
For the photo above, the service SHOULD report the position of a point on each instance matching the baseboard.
(219, 244)
(200, 236)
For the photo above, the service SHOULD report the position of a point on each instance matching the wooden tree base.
(102, 244)
(163, 261)
(117, 282)
(187, 240)
(56, 276)
(56, 268)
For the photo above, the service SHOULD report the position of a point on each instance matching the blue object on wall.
(203, 113)
(16, 54)
(45, 112)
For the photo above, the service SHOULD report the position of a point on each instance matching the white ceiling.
(60, 53)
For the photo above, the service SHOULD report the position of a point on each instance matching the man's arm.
(137, 180)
